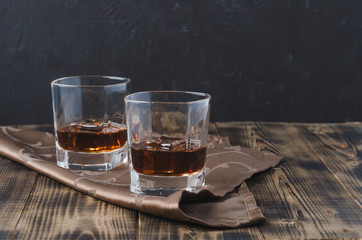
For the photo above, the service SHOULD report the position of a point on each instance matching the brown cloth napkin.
(225, 201)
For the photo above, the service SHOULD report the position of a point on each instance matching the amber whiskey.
(168, 157)
(91, 137)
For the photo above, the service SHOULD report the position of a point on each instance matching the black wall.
(272, 60)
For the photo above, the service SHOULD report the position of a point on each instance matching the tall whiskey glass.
(90, 122)
(167, 138)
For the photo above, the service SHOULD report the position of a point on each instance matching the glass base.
(165, 185)
(101, 161)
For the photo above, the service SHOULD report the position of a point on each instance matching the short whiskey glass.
(90, 122)
(167, 138)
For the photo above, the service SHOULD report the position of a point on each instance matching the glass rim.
(122, 81)
(206, 96)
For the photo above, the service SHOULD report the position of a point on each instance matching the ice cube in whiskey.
(168, 157)
(91, 136)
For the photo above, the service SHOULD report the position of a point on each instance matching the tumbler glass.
(90, 122)
(167, 138)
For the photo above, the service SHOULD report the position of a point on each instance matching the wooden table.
(314, 193)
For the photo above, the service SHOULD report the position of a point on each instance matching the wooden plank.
(339, 146)
(152, 227)
(301, 198)
(278, 225)
(55, 211)
(16, 183)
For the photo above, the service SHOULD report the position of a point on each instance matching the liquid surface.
(168, 157)
(91, 137)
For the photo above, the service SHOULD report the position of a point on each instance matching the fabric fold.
(225, 200)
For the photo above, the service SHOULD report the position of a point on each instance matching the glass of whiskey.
(167, 138)
(90, 122)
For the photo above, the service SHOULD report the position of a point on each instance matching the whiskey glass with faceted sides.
(167, 138)
(90, 122)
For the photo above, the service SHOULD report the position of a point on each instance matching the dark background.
(272, 60)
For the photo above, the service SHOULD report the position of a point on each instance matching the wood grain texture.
(301, 198)
(55, 211)
(151, 227)
(279, 223)
(16, 184)
(339, 147)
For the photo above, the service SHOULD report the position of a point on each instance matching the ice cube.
(116, 125)
(150, 147)
(153, 144)
(165, 147)
(178, 145)
(91, 125)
